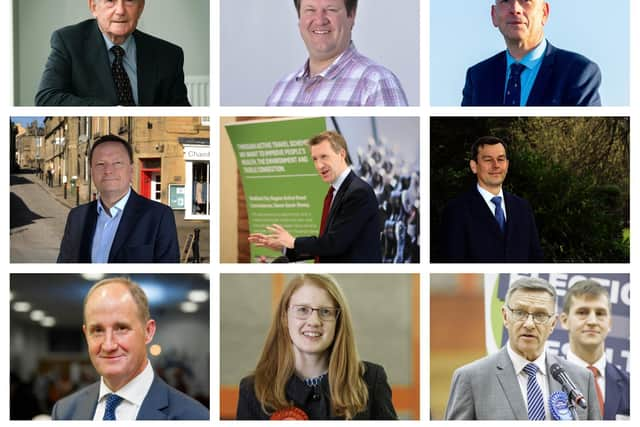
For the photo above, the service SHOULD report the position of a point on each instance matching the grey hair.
(532, 284)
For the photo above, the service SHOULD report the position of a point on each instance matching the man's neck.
(589, 355)
(520, 50)
(495, 190)
(109, 200)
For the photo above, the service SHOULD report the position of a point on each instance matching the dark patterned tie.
(120, 78)
(326, 207)
(113, 400)
(512, 96)
(535, 401)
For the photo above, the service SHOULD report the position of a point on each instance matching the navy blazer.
(78, 70)
(146, 233)
(470, 232)
(617, 395)
(564, 79)
(162, 402)
(352, 232)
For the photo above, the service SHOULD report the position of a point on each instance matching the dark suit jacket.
(470, 233)
(617, 397)
(78, 71)
(352, 232)
(318, 405)
(488, 389)
(564, 79)
(162, 402)
(146, 233)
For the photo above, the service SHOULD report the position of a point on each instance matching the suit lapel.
(613, 392)
(499, 80)
(86, 408)
(337, 199)
(543, 79)
(127, 223)
(97, 55)
(506, 375)
(88, 231)
(144, 60)
(156, 400)
(480, 211)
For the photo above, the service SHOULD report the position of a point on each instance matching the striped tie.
(535, 401)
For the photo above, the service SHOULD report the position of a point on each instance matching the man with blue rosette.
(522, 381)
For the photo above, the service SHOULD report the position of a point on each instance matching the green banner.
(280, 183)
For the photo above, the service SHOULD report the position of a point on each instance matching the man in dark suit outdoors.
(516, 382)
(118, 327)
(350, 226)
(488, 224)
(586, 315)
(106, 61)
(531, 72)
(120, 226)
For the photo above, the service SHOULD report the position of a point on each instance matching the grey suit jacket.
(488, 389)
(162, 402)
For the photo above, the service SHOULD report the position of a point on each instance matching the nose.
(314, 318)
(119, 5)
(591, 317)
(109, 343)
(516, 7)
(528, 321)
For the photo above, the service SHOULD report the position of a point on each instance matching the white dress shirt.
(487, 196)
(519, 363)
(133, 393)
(601, 364)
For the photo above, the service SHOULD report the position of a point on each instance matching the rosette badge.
(290, 414)
(559, 406)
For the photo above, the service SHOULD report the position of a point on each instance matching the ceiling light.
(48, 322)
(198, 295)
(37, 315)
(21, 306)
(189, 307)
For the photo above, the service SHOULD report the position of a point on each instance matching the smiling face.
(588, 323)
(521, 22)
(111, 170)
(490, 167)
(327, 162)
(312, 336)
(325, 27)
(526, 337)
(116, 334)
(117, 19)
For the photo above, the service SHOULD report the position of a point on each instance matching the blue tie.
(497, 200)
(535, 401)
(512, 95)
(113, 400)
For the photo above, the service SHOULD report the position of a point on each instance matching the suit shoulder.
(516, 199)
(83, 209)
(487, 64)
(372, 370)
(74, 30)
(461, 200)
(619, 372)
(190, 408)
(159, 43)
(567, 57)
(246, 383)
(485, 365)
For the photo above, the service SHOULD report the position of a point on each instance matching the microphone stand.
(571, 404)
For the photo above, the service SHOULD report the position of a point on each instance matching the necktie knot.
(120, 77)
(531, 369)
(497, 200)
(118, 52)
(596, 371)
(113, 400)
(516, 69)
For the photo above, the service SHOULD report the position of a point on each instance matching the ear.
(504, 316)
(564, 320)
(554, 322)
(84, 330)
(545, 12)
(92, 7)
(149, 331)
(474, 166)
(493, 15)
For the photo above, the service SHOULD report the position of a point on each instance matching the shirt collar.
(531, 58)
(115, 209)
(601, 363)
(340, 179)
(520, 362)
(135, 390)
(333, 70)
(487, 196)
(127, 45)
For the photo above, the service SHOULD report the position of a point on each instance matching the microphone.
(559, 374)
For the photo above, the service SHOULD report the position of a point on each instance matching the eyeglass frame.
(331, 319)
(533, 318)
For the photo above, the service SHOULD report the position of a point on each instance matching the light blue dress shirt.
(128, 62)
(106, 228)
(532, 62)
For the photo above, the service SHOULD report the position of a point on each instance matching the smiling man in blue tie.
(531, 71)
(488, 224)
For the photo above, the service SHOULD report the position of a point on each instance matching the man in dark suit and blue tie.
(106, 61)
(487, 224)
(350, 226)
(531, 71)
(586, 315)
(120, 226)
(118, 327)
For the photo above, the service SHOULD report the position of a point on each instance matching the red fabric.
(326, 207)
(596, 374)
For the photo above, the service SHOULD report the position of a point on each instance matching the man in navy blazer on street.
(80, 67)
(350, 230)
(586, 315)
(120, 226)
(118, 327)
(487, 224)
(531, 71)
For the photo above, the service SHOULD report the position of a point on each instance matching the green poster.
(280, 183)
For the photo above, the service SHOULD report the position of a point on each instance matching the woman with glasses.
(309, 367)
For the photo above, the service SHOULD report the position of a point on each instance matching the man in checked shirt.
(335, 74)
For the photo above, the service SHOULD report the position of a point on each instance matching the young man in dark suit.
(350, 229)
(531, 71)
(118, 327)
(487, 224)
(120, 226)
(106, 61)
(586, 315)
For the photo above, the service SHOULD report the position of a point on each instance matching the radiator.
(198, 90)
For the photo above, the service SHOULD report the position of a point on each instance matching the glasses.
(303, 312)
(521, 315)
